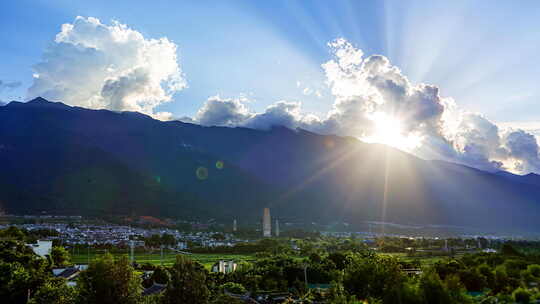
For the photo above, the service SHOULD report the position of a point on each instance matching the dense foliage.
(340, 272)
(109, 281)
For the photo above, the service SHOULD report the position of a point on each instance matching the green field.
(154, 257)
(425, 261)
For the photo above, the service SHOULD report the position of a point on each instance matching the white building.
(42, 248)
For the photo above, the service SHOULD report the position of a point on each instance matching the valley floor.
(155, 258)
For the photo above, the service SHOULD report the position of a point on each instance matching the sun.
(388, 130)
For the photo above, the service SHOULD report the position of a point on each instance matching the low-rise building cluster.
(110, 234)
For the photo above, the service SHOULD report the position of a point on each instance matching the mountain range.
(60, 159)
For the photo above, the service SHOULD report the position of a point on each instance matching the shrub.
(521, 295)
(234, 288)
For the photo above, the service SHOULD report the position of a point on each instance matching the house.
(42, 248)
(246, 298)
(272, 297)
(154, 289)
(69, 273)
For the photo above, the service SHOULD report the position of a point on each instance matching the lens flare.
(219, 164)
(202, 173)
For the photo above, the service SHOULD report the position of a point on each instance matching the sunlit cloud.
(95, 65)
(532, 127)
(455, 47)
(375, 102)
(100, 66)
(389, 131)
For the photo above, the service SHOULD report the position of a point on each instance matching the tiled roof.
(68, 273)
(156, 288)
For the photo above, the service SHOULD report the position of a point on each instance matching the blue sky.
(484, 54)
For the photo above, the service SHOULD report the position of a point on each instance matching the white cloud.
(532, 127)
(223, 112)
(218, 111)
(522, 150)
(365, 88)
(10, 85)
(307, 91)
(447, 132)
(95, 65)
(282, 113)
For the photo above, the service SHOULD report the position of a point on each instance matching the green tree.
(521, 296)
(411, 293)
(370, 275)
(336, 294)
(233, 288)
(488, 274)
(472, 279)
(15, 286)
(187, 284)
(218, 236)
(502, 280)
(433, 289)
(534, 270)
(168, 240)
(60, 256)
(21, 271)
(339, 259)
(456, 290)
(315, 258)
(160, 275)
(109, 282)
(225, 299)
(509, 250)
(54, 291)
(157, 240)
(13, 233)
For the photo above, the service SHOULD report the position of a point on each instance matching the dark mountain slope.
(68, 159)
(46, 145)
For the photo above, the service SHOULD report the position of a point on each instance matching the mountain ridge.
(62, 158)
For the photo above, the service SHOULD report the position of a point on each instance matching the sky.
(296, 63)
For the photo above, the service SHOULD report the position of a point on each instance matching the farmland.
(155, 258)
